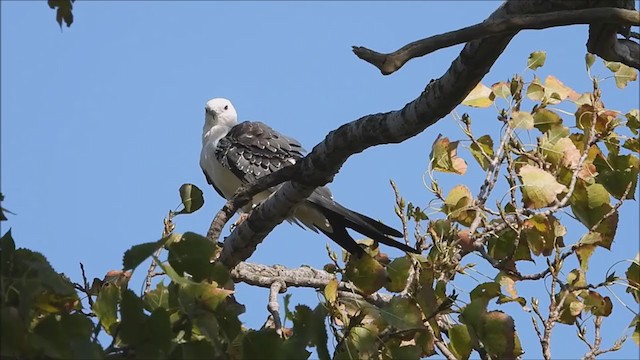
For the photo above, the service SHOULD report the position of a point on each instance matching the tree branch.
(244, 194)
(304, 276)
(392, 62)
(436, 101)
(273, 306)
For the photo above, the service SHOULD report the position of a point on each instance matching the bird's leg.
(241, 218)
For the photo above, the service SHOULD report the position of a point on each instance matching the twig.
(390, 63)
(273, 306)
(87, 287)
(168, 228)
(440, 344)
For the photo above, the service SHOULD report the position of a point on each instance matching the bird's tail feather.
(340, 218)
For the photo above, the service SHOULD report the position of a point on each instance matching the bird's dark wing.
(253, 149)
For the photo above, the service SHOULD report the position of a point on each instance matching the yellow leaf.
(480, 97)
(331, 291)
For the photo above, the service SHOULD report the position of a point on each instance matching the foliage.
(588, 169)
(63, 11)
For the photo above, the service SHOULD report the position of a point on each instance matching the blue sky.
(101, 122)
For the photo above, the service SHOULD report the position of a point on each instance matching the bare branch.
(304, 276)
(392, 62)
(273, 306)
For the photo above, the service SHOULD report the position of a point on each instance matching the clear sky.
(101, 123)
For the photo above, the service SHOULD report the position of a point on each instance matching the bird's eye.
(226, 107)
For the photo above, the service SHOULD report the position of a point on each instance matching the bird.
(234, 154)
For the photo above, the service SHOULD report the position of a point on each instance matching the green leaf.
(635, 324)
(139, 253)
(308, 329)
(158, 336)
(540, 188)
(633, 278)
(3, 210)
(584, 254)
(444, 156)
(483, 143)
(192, 198)
(499, 335)
(198, 349)
(66, 336)
(366, 273)
(501, 246)
(576, 278)
(131, 329)
(571, 308)
(556, 133)
(402, 313)
(597, 196)
(535, 90)
(426, 342)
(480, 97)
(407, 352)
(398, 272)
(501, 89)
(562, 153)
(487, 291)
(106, 307)
(457, 205)
(507, 283)
(460, 342)
(361, 342)
(589, 59)
(633, 121)
(616, 172)
(622, 73)
(192, 254)
(295, 346)
(536, 59)
(521, 120)
(203, 295)
(543, 233)
(157, 298)
(7, 247)
(632, 144)
(596, 303)
(14, 333)
(331, 291)
(63, 12)
(264, 344)
(545, 119)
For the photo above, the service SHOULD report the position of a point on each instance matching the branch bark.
(304, 276)
(436, 101)
(606, 45)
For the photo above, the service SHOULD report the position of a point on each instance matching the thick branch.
(436, 101)
(392, 62)
(244, 194)
(264, 276)
(603, 41)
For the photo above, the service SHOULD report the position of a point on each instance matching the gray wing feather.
(253, 149)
